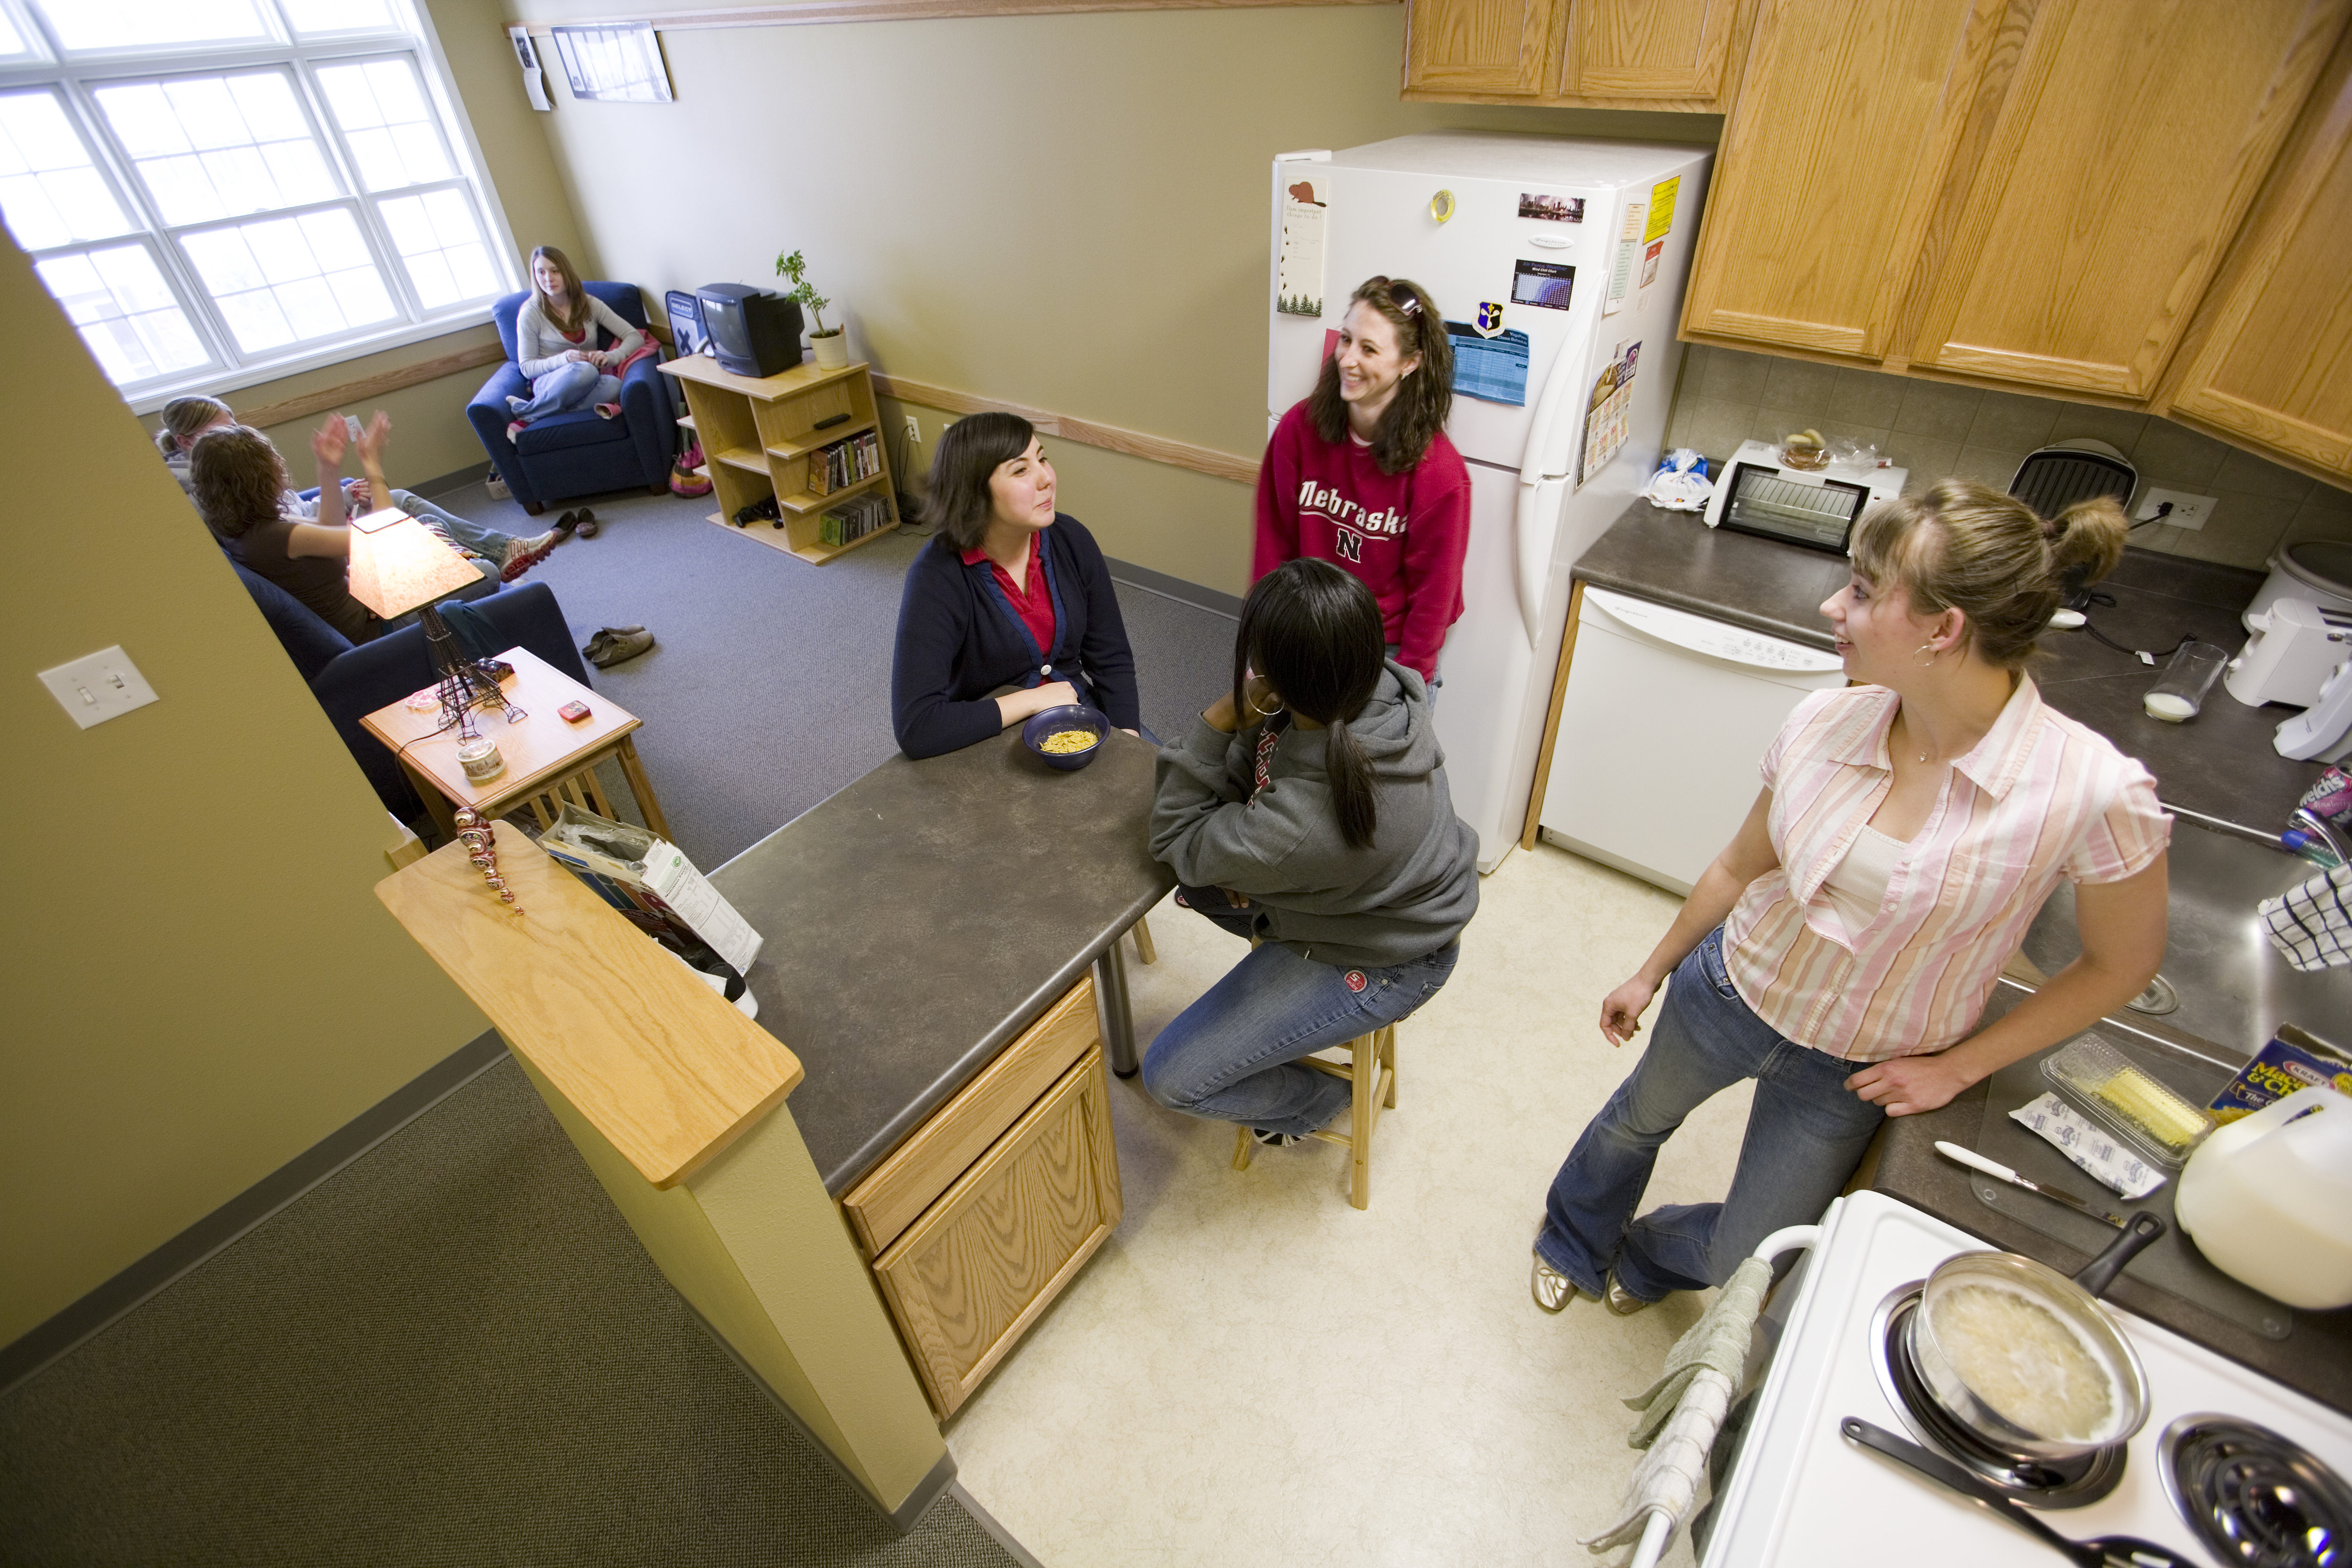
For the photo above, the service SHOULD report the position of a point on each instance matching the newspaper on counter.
(631, 866)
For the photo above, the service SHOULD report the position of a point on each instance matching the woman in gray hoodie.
(1308, 808)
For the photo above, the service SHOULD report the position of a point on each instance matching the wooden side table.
(549, 760)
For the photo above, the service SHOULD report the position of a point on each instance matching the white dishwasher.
(1664, 718)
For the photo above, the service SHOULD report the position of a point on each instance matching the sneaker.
(496, 488)
(1273, 1140)
(608, 411)
(525, 554)
(515, 430)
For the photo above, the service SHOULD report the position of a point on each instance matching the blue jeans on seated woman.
(1805, 1134)
(573, 385)
(1232, 1055)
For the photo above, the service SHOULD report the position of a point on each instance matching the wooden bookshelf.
(757, 433)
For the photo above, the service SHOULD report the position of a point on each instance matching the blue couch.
(350, 681)
(567, 454)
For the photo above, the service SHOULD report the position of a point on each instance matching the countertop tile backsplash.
(1935, 428)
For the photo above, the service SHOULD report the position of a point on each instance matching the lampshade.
(398, 564)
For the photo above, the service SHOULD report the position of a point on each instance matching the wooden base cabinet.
(976, 1221)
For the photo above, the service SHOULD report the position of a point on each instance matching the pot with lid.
(2318, 571)
(2026, 1360)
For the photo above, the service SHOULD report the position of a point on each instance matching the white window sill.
(227, 382)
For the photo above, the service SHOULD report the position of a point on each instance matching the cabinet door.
(2270, 367)
(968, 1277)
(1478, 45)
(1850, 112)
(1637, 49)
(2131, 141)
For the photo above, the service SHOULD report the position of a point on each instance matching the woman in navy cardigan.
(1008, 592)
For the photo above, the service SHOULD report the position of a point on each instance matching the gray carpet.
(453, 1351)
(769, 685)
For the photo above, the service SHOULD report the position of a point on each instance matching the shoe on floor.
(1622, 1301)
(1553, 1290)
(1272, 1140)
(525, 554)
(566, 525)
(587, 524)
(617, 647)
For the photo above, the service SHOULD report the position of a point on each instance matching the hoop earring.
(1929, 649)
(1266, 712)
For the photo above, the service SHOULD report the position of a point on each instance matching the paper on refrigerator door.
(1609, 413)
(1628, 254)
(1298, 290)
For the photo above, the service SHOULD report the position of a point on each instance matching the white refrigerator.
(1560, 264)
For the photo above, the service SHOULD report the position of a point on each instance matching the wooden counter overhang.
(666, 1069)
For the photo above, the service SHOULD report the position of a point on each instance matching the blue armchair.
(567, 454)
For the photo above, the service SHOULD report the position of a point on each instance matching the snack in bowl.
(1066, 743)
(1066, 737)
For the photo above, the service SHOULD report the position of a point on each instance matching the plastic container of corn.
(2127, 1100)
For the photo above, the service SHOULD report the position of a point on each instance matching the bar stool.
(1373, 1075)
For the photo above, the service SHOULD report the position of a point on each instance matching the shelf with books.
(760, 436)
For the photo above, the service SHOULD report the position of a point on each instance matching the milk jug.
(2268, 1199)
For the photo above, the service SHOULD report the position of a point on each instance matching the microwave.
(1757, 493)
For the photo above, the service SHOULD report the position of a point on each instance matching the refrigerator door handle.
(1535, 501)
(1554, 406)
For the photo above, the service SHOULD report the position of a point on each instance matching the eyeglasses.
(1400, 295)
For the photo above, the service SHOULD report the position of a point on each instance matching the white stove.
(1802, 1494)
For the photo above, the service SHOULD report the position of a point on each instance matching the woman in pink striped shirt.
(1841, 950)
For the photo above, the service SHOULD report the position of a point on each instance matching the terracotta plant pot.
(832, 348)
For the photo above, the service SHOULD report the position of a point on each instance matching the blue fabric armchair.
(567, 454)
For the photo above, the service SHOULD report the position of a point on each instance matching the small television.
(754, 331)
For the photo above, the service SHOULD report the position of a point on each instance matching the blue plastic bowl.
(1053, 722)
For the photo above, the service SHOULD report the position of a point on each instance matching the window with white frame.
(218, 191)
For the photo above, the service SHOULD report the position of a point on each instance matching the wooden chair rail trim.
(346, 394)
(1069, 426)
(818, 11)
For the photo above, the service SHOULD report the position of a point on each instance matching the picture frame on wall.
(618, 62)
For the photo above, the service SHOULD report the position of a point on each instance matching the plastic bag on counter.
(1681, 483)
(1853, 457)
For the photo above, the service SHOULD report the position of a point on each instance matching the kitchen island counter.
(2220, 764)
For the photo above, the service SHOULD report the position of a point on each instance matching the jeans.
(1805, 1134)
(464, 533)
(575, 384)
(1232, 1055)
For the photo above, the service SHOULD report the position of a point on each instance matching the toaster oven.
(1760, 494)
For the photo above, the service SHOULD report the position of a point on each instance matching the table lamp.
(398, 564)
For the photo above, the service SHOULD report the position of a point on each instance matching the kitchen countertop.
(2316, 1356)
(920, 917)
(2220, 763)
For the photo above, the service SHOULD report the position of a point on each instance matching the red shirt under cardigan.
(1033, 600)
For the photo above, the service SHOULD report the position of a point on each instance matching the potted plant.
(832, 348)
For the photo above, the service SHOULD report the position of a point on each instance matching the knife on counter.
(2001, 1172)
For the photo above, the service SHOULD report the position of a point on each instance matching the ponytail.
(1351, 776)
(2086, 543)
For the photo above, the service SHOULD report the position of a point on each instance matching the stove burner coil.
(2038, 1483)
(2256, 1498)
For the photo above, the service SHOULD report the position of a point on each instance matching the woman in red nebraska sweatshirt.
(1362, 475)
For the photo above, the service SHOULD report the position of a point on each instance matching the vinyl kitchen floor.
(1250, 1366)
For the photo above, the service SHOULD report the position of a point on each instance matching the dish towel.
(1684, 1409)
(2311, 921)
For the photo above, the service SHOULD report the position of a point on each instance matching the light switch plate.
(98, 688)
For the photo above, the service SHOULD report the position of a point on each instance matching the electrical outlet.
(94, 690)
(2187, 510)
(914, 430)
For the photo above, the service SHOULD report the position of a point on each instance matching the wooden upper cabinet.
(1479, 47)
(2267, 366)
(1634, 50)
(2129, 144)
(1850, 112)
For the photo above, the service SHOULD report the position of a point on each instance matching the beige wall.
(200, 983)
(1068, 212)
